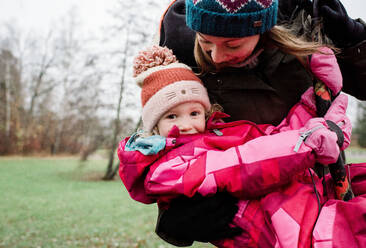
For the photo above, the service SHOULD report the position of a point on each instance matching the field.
(49, 202)
(60, 202)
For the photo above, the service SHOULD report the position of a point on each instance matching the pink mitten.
(337, 114)
(324, 67)
(321, 140)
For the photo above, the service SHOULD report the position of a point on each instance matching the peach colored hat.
(165, 83)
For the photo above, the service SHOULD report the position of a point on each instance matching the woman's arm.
(352, 62)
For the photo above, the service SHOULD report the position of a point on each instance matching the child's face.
(189, 117)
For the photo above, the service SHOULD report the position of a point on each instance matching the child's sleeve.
(247, 171)
(134, 164)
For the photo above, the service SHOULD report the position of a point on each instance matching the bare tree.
(80, 92)
(10, 101)
(138, 28)
(60, 77)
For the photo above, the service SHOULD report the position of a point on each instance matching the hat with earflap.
(231, 18)
(165, 83)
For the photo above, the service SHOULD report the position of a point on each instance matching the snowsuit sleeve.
(249, 170)
(133, 169)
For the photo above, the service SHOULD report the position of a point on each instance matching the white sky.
(40, 14)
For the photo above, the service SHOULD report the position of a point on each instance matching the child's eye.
(171, 116)
(195, 113)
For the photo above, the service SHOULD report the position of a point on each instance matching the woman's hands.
(198, 219)
(343, 30)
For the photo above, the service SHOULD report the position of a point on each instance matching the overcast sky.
(40, 14)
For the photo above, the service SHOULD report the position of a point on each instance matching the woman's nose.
(218, 56)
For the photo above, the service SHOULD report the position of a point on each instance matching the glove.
(343, 30)
(337, 114)
(323, 137)
(199, 218)
(324, 67)
(146, 145)
(321, 140)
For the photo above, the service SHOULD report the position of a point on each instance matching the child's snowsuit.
(285, 211)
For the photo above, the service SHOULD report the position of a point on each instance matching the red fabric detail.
(350, 222)
(194, 176)
(270, 172)
(235, 184)
(357, 175)
(254, 217)
(303, 207)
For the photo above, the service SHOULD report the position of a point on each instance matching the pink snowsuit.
(257, 164)
(278, 208)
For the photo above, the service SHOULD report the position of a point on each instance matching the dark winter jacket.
(264, 94)
(177, 36)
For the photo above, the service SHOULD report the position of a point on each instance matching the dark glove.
(343, 30)
(198, 219)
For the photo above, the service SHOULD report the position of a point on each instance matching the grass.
(59, 202)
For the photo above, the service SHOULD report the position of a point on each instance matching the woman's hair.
(279, 36)
(309, 28)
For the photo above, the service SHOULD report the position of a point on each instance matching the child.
(239, 157)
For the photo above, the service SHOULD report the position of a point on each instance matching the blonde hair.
(309, 29)
(279, 36)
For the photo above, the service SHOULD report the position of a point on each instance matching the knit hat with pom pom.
(165, 83)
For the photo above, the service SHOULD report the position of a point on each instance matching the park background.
(67, 98)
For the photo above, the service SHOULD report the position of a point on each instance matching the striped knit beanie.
(231, 18)
(165, 83)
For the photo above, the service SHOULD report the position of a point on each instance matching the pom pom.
(152, 57)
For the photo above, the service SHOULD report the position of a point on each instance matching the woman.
(262, 91)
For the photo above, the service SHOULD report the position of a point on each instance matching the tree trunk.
(110, 172)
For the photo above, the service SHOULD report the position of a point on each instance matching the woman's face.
(227, 52)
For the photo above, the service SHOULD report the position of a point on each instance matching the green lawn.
(49, 202)
(58, 202)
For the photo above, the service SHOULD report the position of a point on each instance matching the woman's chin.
(237, 65)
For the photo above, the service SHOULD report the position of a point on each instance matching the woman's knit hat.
(165, 83)
(231, 18)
